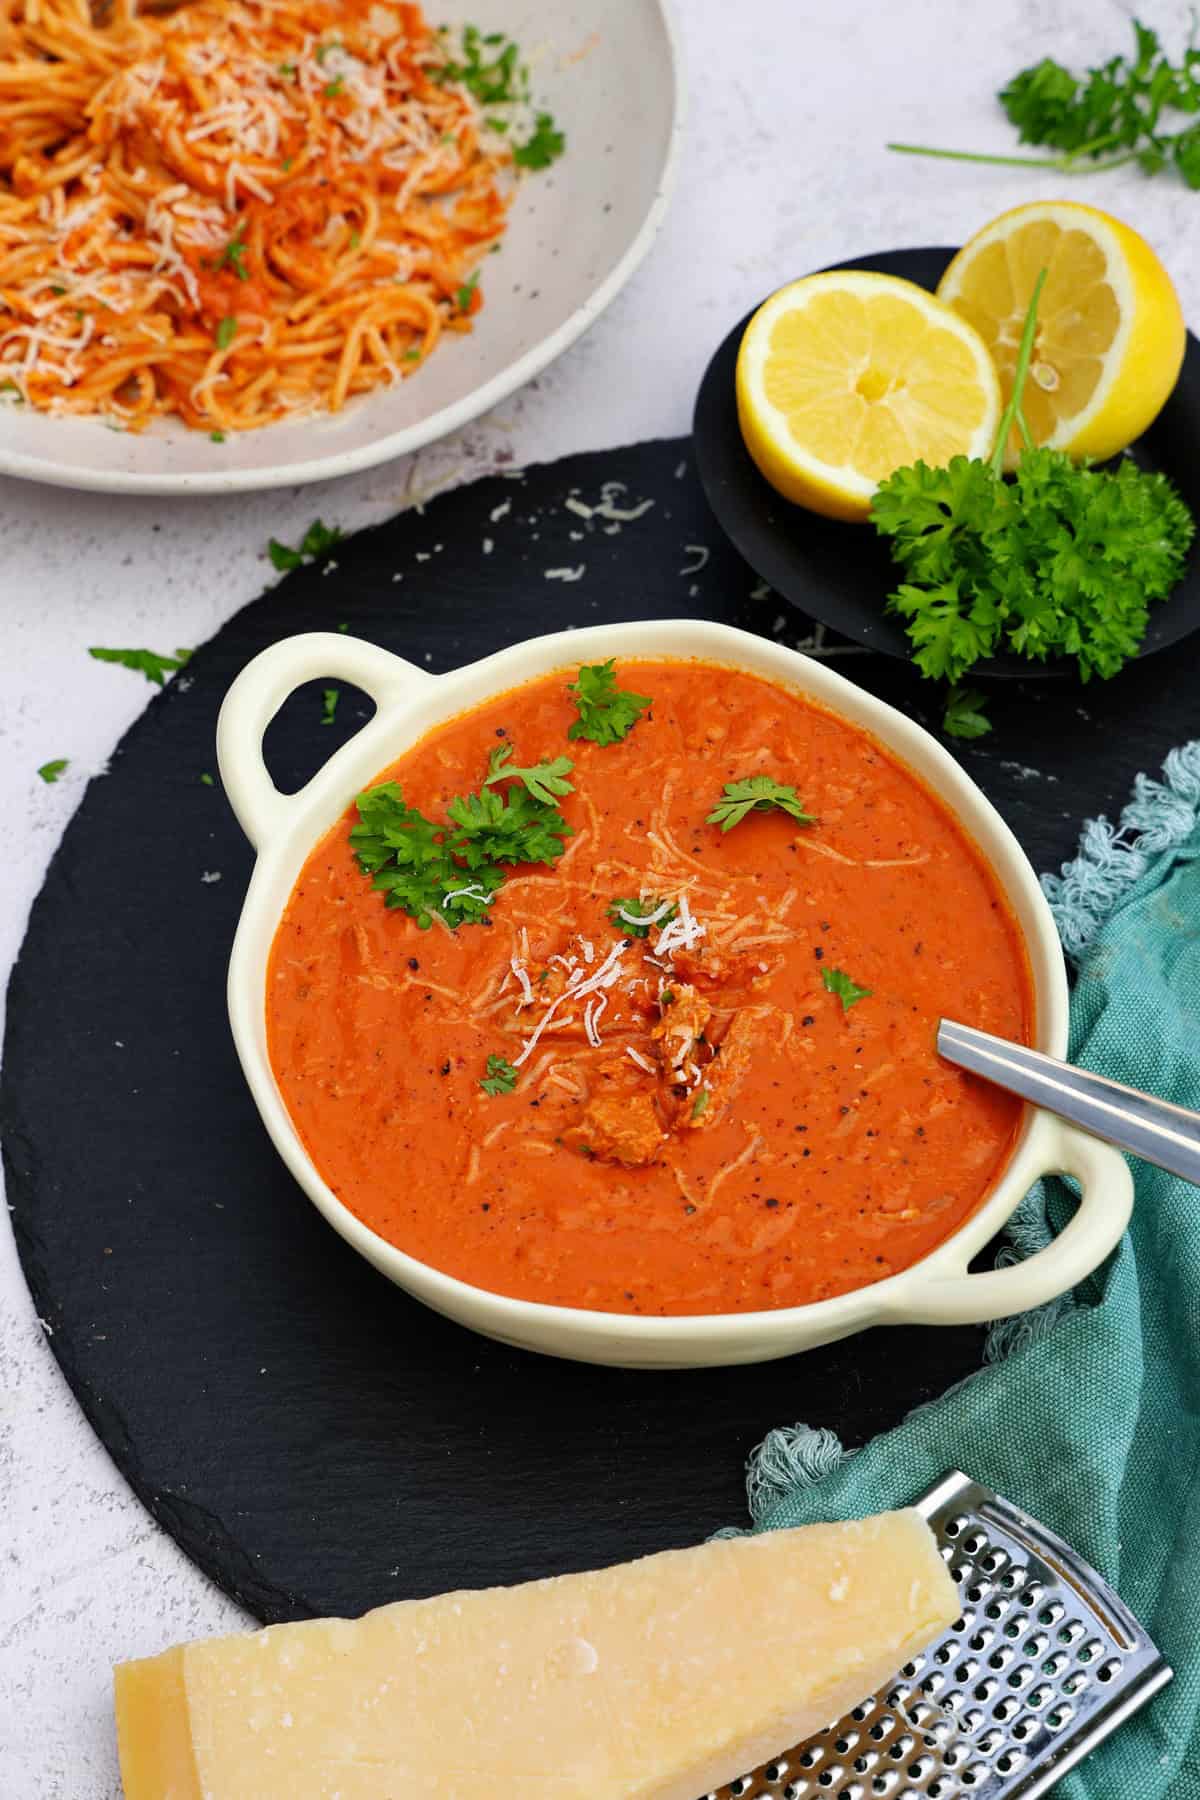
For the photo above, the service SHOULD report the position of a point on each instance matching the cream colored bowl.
(284, 828)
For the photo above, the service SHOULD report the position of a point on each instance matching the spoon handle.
(1152, 1129)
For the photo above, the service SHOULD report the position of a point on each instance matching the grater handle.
(259, 692)
(956, 1297)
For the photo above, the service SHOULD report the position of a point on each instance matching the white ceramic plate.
(609, 71)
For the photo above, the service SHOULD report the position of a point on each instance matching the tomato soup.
(677, 1068)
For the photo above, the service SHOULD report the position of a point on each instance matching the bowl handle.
(955, 1297)
(261, 689)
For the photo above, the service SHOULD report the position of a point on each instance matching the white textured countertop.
(784, 170)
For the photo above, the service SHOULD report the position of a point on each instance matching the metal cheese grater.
(1043, 1665)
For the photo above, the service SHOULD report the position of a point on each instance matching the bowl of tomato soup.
(591, 992)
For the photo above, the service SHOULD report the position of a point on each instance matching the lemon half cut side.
(1110, 333)
(846, 376)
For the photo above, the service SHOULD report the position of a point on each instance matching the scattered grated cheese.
(680, 933)
(606, 976)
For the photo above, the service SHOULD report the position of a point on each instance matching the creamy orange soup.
(737, 1106)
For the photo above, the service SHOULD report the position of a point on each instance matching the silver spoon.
(1152, 1129)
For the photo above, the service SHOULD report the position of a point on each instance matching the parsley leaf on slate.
(329, 705)
(758, 793)
(545, 780)
(607, 713)
(501, 1077)
(848, 992)
(316, 543)
(144, 662)
(964, 715)
(631, 916)
(1061, 560)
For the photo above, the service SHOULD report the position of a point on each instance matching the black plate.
(840, 574)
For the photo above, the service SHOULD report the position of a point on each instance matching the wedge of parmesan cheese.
(656, 1680)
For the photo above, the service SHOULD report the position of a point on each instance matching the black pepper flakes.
(413, 963)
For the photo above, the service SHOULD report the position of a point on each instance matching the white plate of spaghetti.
(253, 242)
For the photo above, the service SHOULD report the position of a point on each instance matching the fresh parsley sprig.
(1063, 560)
(546, 781)
(635, 918)
(451, 870)
(757, 793)
(607, 713)
(1110, 115)
(505, 828)
(836, 981)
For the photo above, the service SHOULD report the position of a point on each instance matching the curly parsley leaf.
(501, 1077)
(545, 780)
(143, 662)
(964, 716)
(314, 546)
(1061, 560)
(637, 918)
(451, 870)
(329, 705)
(1110, 115)
(410, 864)
(544, 146)
(607, 713)
(514, 827)
(848, 992)
(50, 771)
(758, 793)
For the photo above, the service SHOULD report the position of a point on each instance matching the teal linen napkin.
(1088, 1413)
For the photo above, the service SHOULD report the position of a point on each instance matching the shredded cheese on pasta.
(236, 213)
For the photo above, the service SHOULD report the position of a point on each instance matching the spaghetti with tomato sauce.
(735, 1106)
(237, 213)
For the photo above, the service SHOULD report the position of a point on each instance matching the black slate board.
(315, 1440)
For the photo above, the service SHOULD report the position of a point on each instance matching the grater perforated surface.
(1044, 1662)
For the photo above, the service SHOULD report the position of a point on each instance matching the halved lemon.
(843, 377)
(1110, 333)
